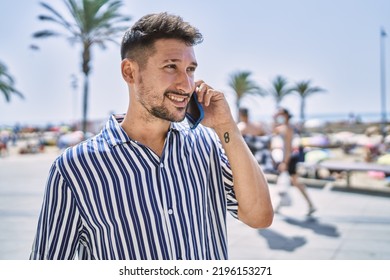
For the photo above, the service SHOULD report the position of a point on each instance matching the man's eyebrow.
(194, 63)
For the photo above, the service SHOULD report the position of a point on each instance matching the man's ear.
(129, 69)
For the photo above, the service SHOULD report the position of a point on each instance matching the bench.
(348, 167)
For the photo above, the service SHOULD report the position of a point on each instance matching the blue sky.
(333, 43)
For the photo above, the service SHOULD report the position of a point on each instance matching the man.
(246, 126)
(258, 141)
(152, 184)
(290, 158)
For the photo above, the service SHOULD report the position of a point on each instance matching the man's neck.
(150, 134)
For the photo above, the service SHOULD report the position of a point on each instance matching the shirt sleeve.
(59, 221)
(232, 204)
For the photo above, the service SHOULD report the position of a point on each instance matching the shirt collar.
(115, 135)
(113, 132)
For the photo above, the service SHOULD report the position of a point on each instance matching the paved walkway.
(347, 226)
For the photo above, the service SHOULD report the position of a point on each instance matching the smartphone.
(195, 113)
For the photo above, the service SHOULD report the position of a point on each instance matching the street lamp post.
(74, 85)
(383, 80)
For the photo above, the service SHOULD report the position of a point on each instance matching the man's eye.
(191, 69)
(171, 66)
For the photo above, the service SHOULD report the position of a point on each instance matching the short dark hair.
(285, 111)
(244, 112)
(138, 41)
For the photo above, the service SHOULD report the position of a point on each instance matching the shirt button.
(170, 211)
(162, 165)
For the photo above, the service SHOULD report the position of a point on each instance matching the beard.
(162, 112)
(154, 104)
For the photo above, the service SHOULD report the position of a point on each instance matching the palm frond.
(242, 84)
(45, 34)
(7, 84)
(88, 23)
(60, 19)
(279, 88)
(305, 89)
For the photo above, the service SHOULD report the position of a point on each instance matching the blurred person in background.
(257, 138)
(289, 157)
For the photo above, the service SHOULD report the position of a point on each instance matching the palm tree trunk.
(86, 58)
(85, 104)
(302, 113)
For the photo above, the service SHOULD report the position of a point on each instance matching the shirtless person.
(257, 140)
(248, 128)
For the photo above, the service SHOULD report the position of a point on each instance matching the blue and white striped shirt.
(113, 198)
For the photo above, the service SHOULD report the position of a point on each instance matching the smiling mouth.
(178, 100)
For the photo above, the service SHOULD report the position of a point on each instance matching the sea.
(361, 117)
(338, 117)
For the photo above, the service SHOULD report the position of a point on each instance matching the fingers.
(205, 92)
(201, 90)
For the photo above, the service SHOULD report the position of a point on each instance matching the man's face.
(166, 83)
(281, 117)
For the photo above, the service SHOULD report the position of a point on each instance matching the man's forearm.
(250, 184)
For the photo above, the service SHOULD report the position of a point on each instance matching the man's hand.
(217, 112)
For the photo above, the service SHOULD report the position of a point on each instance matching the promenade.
(347, 225)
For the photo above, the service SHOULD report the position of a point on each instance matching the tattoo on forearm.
(226, 137)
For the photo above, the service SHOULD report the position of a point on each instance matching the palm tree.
(91, 22)
(305, 89)
(7, 83)
(242, 85)
(279, 89)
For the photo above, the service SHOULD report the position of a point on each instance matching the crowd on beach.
(314, 143)
(342, 141)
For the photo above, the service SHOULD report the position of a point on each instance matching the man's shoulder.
(81, 150)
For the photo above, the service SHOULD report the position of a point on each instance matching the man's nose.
(185, 82)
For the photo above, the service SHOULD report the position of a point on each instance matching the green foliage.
(279, 89)
(242, 84)
(305, 89)
(87, 23)
(7, 83)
